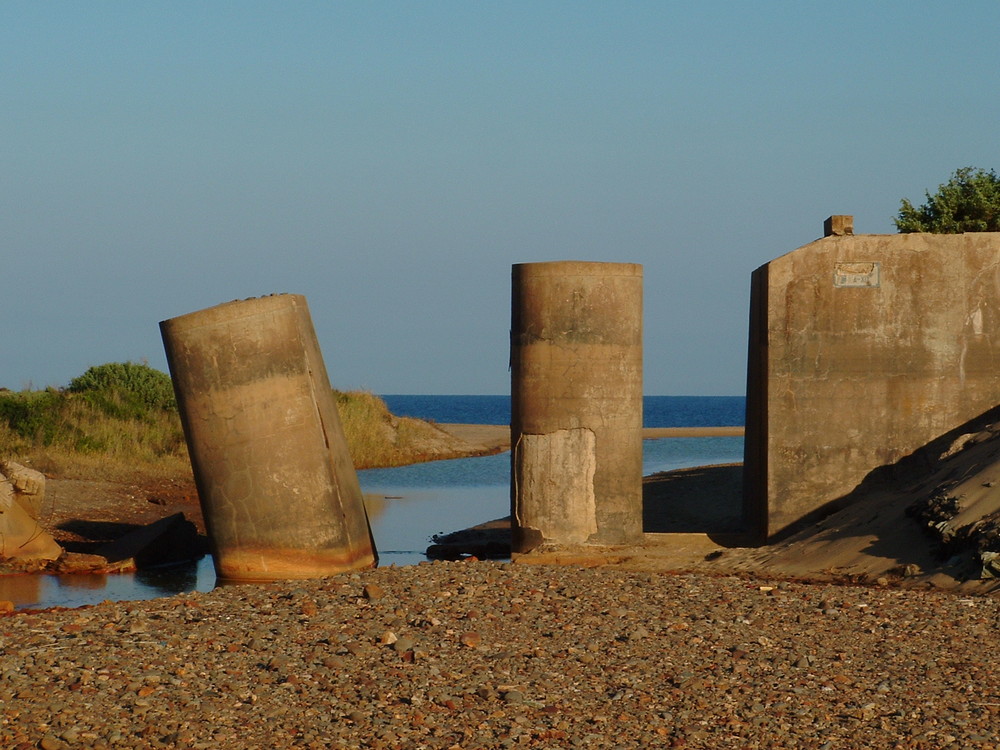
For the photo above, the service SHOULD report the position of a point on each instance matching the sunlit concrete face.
(863, 348)
(22, 493)
(278, 489)
(576, 399)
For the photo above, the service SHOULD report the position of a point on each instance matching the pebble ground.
(484, 655)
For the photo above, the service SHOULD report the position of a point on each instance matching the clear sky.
(391, 160)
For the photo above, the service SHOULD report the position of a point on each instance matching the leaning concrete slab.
(862, 349)
(277, 486)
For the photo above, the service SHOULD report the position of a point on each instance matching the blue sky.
(391, 160)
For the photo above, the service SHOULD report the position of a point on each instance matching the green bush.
(968, 202)
(118, 418)
(125, 390)
(32, 415)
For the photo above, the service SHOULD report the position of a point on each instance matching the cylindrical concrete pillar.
(576, 404)
(277, 486)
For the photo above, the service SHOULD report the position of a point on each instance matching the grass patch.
(376, 437)
(119, 421)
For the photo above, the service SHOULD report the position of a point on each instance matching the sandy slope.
(872, 540)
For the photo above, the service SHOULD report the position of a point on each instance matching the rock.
(373, 592)
(170, 540)
(28, 486)
(471, 639)
(404, 644)
(21, 536)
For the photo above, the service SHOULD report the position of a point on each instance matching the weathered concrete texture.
(576, 398)
(22, 491)
(279, 493)
(557, 471)
(862, 349)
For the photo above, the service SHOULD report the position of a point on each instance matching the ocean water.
(658, 411)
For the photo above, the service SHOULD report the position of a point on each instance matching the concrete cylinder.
(278, 489)
(576, 404)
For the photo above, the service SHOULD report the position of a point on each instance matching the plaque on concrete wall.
(856, 274)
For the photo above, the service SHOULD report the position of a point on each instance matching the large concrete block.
(277, 486)
(863, 348)
(576, 398)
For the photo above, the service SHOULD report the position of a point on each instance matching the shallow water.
(78, 590)
(406, 507)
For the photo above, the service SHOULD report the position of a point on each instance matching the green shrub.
(125, 390)
(32, 415)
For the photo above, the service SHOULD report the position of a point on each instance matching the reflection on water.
(406, 507)
(80, 589)
(667, 454)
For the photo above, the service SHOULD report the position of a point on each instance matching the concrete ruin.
(22, 491)
(278, 490)
(576, 404)
(862, 349)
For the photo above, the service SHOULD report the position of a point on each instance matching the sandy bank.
(496, 436)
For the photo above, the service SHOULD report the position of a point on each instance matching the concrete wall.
(863, 348)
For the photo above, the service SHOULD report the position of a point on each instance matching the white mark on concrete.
(555, 485)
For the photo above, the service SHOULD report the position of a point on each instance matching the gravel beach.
(491, 655)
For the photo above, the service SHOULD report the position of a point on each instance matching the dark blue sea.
(658, 411)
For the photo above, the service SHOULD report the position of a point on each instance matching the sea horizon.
(658, 411)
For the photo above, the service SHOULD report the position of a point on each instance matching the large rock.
(21, 536)
(168, 541)
(28, 486)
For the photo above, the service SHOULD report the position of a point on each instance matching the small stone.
(373, 592)
(637, 633)
(403, 644)
(50, 742)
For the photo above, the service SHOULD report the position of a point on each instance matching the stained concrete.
(862, 349)
(576, 403)
(278, 490)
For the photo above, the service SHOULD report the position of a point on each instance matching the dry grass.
(377, 438)
(71, 436)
